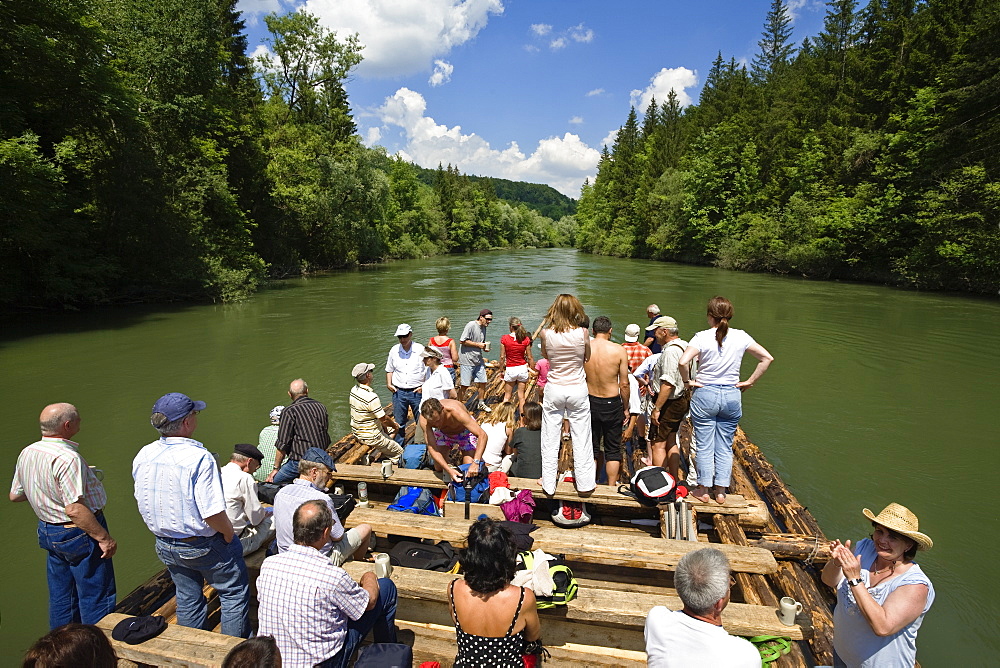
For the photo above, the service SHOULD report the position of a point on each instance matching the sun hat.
(632, 333)
(361, 367)
(662, 321)
(403, 330)
(275, 414)
(901, 520)
(432, 352)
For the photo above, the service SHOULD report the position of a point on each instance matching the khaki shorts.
(383, 444)
(345, 547)
(671, 415)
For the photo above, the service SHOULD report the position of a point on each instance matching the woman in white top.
(716, 405)
(567, 347)
(882, 595)
(498, 425)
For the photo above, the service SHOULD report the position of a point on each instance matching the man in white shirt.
(694, 635)
(252, 522)
(405, 373)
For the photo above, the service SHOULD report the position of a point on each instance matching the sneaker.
(484, 408)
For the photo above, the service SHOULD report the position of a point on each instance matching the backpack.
(385, 655)
(415, 457)
(416, 500)
(570, 514)
(652, 485)
(267, 490)
(343, 504)
(479, 492)
(408, 554)
(565, 588)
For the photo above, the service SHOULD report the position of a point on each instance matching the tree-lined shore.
(867, 152)
(145, 156)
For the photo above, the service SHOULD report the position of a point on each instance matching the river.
(876, 395)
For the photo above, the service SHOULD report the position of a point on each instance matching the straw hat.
(901, 520)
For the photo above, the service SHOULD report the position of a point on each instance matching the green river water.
(876, 395)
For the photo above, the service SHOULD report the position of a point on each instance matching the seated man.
(252, 522)
(694, 636)
(447, 424)
(315, 469)
(317, 614)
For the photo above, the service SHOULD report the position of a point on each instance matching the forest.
(867, 152)
(144, 156)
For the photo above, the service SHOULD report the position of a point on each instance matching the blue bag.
(415, 457)
(416, 500)
(480, 492)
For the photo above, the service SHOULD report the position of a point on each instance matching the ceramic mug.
(383, 568)
(788, 607)
(487, 348)
(386, 468)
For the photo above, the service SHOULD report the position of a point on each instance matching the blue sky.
(526, 89)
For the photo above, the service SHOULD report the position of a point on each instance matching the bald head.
(61, 420)
(297, 389)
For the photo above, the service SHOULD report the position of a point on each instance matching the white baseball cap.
(403, 330)
(632, 333)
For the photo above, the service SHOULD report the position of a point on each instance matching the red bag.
(498, 479)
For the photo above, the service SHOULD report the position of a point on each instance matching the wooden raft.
(176, 646)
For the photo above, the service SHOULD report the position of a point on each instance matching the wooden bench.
(600, 607)
(592, 545)
(176, 646)
(749, 511)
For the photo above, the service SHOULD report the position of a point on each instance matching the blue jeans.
(81, 583)
(288, 472)
(715, 412)
(402, 402)
(380, 620)
(213, 560)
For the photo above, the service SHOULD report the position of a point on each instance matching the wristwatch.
(855, 582)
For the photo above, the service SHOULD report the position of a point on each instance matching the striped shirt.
(53, 474)
(304, 424)
(177, 485)
(305, 604)
(287, 501)
(366, 409)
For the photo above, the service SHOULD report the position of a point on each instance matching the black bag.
(385, 655)
(266, 491)
(652, 485)
(440, 557)
(344, 504)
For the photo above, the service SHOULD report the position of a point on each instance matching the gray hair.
(159, 421)
(54, 423)
(239, 458)
(653, 308)
(309, 520)
(672, 331)
(305, 466)
(701, 579)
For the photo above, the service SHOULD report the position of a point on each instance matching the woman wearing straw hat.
(882, 595)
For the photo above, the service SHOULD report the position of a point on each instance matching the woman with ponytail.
(716, 406)
(516, 360)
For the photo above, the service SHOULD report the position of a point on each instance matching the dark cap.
(176, 405)
(320, 456)
(485, 312)
(250, 451)
(135, 630)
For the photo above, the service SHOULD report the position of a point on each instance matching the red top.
(514, 349)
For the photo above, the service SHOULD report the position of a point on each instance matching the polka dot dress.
(484, 651)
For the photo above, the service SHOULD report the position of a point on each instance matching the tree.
(775, 49)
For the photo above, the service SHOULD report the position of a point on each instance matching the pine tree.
(775, 48)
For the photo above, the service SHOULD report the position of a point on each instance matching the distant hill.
(544, 199)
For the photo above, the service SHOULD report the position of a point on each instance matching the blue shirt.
(177, 485)
(287, 501)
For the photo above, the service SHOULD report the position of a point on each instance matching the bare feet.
(720, 494)
(700, 492)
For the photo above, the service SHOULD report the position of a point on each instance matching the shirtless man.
(607, 384)
(446, 423)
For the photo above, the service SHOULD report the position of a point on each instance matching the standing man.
(252, 522)
(368, 419)
(670, 395)
(471, 357)
(607, 384)
(304, 424)
(316, 613)
(636, 351)
(652, 312)
(69, 500)
(179, 492)
(404, 374)
(451, 425)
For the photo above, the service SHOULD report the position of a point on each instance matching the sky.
(528, 90)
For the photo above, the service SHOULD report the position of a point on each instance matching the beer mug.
(487, 348)
(788, 607)
(386, 468)
(383, 567)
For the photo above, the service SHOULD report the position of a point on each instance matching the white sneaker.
(483, 407)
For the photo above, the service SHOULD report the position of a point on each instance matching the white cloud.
(795, 5)
(442, 73)
(251, 8)
(404, 36)
(373, 136)
(595, 92)
(558, 43)
(676, 78)
(531, 48)
(581, 33)
(541, 29)
(576, 120)
(609, 141)
(562, 162)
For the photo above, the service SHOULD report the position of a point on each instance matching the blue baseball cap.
(176, 405)
(320, 456)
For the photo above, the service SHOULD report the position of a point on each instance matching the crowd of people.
(594, 392)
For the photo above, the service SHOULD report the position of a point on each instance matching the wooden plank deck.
(176, 646)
